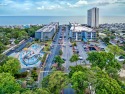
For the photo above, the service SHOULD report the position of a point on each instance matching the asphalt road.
(54, 52)
(67, 51)
(20, 47)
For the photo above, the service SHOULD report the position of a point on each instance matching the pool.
(31, 56)
(35, 46)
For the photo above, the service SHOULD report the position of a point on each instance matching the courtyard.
(30, 57)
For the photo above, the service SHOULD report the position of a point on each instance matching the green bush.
(34, 75)
(60, 52)
(16, 41)
(44, 58)
(21, 75)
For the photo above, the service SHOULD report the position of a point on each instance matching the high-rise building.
(93, 17)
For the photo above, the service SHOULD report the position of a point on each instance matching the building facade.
(47, 32)
(79, 33)
(93, 17)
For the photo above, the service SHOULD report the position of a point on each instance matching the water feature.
(31, 55)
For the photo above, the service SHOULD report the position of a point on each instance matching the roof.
(48, 28)
(79, 28)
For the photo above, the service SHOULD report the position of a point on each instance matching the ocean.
(24, 20)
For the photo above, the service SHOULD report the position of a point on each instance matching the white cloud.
(103, 2)
(52, 7)
(78, 4)
(41, 8)
(82, 2)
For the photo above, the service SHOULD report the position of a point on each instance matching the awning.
(84, 39)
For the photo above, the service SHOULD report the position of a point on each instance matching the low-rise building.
(47, 32)
(79, 32)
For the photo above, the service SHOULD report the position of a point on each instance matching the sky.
(60, 7)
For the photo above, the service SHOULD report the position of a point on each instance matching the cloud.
(60, 7)
(78, 4)
(44, 5)
(107, 2)
(49, 8)
(40, 8)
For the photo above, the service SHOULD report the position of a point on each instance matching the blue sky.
(60, 7)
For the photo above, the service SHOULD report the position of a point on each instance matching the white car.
(80, 58)
(120, 59)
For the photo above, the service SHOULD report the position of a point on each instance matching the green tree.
(107, 85)
(124, 64)
(114, 49)
(11, 66)
(60, 52)
(74, 44)
(74, 58)
(34, 75)
(103, 60)
(28, 92)
(106, 40)
(59, 61)
(112, 37)
(2, 47)
(8, 84)
(77, 68)
(79, 82)
(104, 84)
(2, 58)
(42, 91)
(55, 82)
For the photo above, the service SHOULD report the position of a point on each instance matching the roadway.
(54, 52)
(67, 51)
(20, 47)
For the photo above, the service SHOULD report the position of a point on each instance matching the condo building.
(79, 32)
(93, 17)
(47, 32)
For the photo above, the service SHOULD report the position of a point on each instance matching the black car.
(70, 45)
(54, 41)
(77, 51)
(64, 59)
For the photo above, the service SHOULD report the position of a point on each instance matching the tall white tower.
(93, 17)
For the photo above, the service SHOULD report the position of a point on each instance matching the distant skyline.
(60, 7)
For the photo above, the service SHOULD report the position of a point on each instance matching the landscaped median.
(47, 46)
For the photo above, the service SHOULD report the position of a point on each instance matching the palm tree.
(74, 58)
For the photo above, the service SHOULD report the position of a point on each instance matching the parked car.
(54, 41)
(70, 45)
(80, 58)
(77, 51)
(64, 59)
